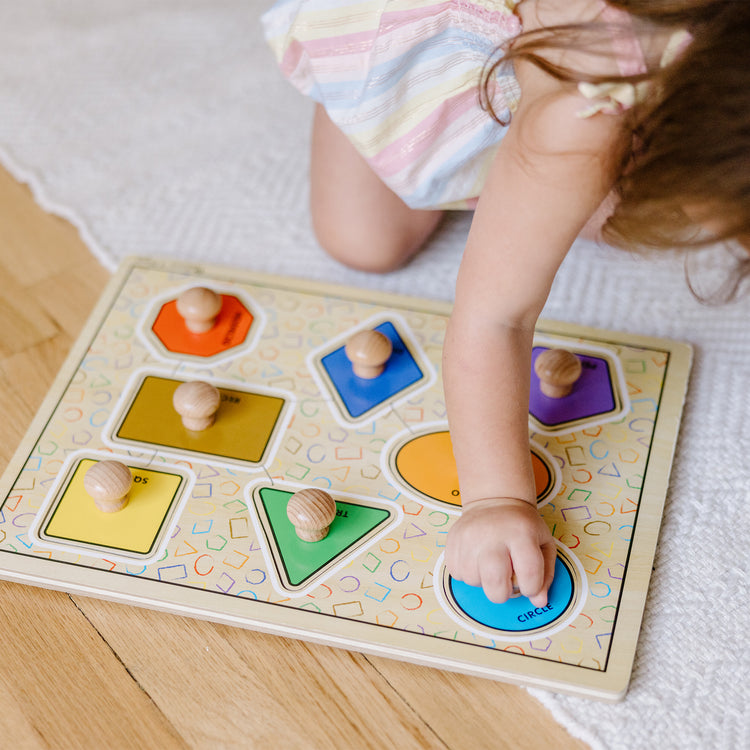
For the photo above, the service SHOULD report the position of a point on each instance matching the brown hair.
(691, 131)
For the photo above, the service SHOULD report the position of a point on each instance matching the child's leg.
(356, 217)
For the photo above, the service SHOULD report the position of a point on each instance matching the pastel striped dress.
(401, 79)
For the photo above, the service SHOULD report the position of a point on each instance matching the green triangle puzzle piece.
(302, 560)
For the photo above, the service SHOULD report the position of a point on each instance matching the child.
(532, 112)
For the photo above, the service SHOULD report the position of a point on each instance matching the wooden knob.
(368, 351)
(516, 592)
(199, 307)
(558, 370)
(197, 403)
(108, 483)
(311, 512)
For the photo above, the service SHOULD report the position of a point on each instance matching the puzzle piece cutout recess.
(205, 530)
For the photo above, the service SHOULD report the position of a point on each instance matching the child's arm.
(550, 174)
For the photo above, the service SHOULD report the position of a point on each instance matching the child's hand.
(497, 538)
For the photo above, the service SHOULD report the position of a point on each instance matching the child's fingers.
(534, 567)
(549, 556)
(491, 570)
(549, 550)
(528, 565)
(461, 563)
(496, 572)
(452, 554)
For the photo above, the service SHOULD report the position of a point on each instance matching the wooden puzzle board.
(205, 533)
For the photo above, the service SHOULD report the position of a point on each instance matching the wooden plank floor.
(84, 673)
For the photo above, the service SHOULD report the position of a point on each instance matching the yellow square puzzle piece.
(135, 530)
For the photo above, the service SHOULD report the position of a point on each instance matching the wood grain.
(84, 673)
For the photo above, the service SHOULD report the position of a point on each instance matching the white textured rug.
(162, 127)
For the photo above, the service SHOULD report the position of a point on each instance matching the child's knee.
(361, 253)
(373, 249)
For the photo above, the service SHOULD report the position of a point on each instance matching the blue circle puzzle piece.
(516, 615)
(360, 395)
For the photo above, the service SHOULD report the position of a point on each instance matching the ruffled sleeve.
(614, 97)
(610, 98)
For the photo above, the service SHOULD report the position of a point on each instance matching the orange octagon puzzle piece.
(230, 329)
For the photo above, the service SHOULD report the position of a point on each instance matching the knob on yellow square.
(134, 529)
